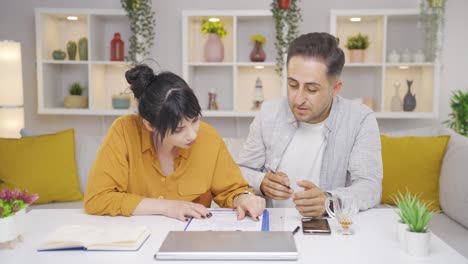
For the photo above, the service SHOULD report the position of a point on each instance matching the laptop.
(228, 245)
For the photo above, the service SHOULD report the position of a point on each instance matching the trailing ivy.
(433, 18)
(142, 23)
(287, 29)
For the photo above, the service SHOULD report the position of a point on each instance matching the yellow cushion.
(44, 165)
(412, 163)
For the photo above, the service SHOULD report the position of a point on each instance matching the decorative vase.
(406, 56)
(396, 104)
(418, 56)
(12, 227)
(212, 104)
(436, 3)
(117, 48)
(357, 55)
(409, 102)
(417, 244)
(257, 54)
(394, 57)
(214, 48)
(75, 101)
(283, 4)
(120, 101)
(58, 55)
(71, 50)
(83, 48)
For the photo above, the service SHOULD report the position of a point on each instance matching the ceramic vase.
(417, 244)
(83, 48)
(58, 55)
(396, 104)
(409, 102)
(257, 54)
(75, 101)
(401, 234)
(71, 50)
(357, 55)
(214, 48)
(283, 4)
(121, 101)
(12, 227)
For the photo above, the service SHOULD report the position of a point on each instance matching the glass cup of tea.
(343, 209)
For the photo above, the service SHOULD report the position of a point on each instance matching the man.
(314, 144)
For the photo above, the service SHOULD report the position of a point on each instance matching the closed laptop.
(228, 245)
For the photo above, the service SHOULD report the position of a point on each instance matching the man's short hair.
(321, 46)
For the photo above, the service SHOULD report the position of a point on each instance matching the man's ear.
(148, 125)
(337, 88)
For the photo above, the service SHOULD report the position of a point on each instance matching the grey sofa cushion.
(452, 233)
(453, 189)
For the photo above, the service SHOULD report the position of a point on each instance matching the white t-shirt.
(302, 159)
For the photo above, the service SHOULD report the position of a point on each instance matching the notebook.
(228, 245)
(88, 237)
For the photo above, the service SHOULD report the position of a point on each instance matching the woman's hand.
(249, 204)
(183, 210)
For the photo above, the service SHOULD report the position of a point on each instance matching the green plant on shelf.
(75, 89)
(357, 41)
(459, 115)
(258, 38)
(216, 27)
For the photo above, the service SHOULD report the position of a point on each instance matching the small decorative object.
(397, 104)
(409, 101)
(258, 98)
(357, 45)
(212, 104)
(283, 4)
(418, 56)
(343, 209)
(258, 54)
(75, 99)
(214, 48)
(71, 49)
(394, 57)
(117, 48)
(406, 56)
(459, 116)
(58, 54)
(121, 101)
(142, 23)
(416, 215)
(286, 28)
(12, 213)
(83, 48)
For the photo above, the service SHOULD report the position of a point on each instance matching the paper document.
(226, 220)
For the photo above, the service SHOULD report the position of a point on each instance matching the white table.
(374, 240)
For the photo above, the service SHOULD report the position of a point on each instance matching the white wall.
(17, 23)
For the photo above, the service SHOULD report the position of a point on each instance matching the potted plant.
(142, 24)
(75, 99)
(286, 27)
(416, 214)
(258, 54)
(12, 213)
(214, 48)
(433, 19)
(357, 44)
(459, 116)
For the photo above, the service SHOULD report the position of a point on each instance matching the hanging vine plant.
(433, 19)
(286, 21)
(142, 23)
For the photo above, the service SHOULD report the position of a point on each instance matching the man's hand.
(311, 201)
(276, 186)
(249, 204)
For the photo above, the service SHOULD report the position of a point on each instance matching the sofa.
(451, 225)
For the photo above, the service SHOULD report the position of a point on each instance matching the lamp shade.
(11, 89)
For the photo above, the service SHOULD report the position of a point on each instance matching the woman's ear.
(148, 125)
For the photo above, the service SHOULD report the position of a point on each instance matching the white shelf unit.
(389, 29)
(234, 78)
(101, 77)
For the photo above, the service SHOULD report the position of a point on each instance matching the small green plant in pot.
(459, 116)
(357, 44)
(416, 214)
(76, 98)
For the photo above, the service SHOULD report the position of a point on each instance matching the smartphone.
(315, 226)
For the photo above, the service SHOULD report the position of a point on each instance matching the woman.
(163, 159)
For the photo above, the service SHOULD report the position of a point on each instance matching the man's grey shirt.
(352, 159)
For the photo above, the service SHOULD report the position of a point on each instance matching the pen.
(295, 230)
(274, 172)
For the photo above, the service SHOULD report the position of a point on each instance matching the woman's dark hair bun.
(138, 77)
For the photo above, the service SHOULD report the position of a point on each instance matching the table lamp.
(11, 90)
